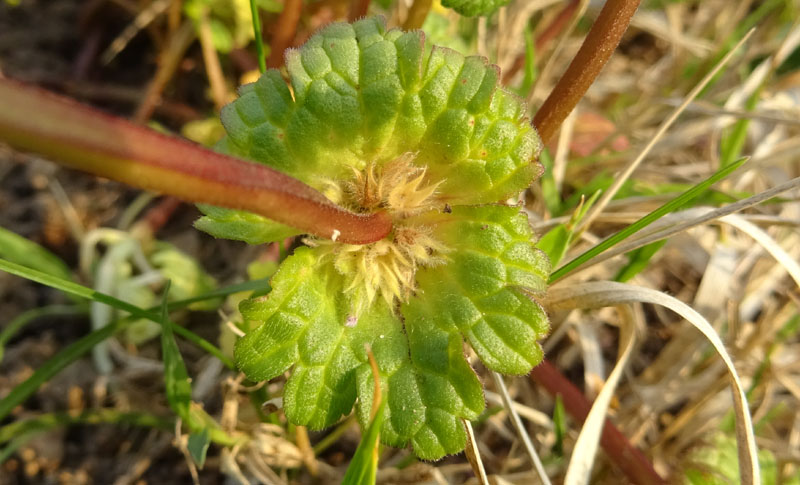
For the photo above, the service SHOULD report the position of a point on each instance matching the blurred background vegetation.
(106, 418)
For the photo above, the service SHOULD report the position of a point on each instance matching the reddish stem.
(558, 24)
(622, 453)
(158, 216)
(285, 31)
(596, 50)
(84, 138)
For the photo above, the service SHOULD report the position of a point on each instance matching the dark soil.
(56, 44)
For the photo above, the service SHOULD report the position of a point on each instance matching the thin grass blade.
(645, 221)
(580, 464)
(609, 293)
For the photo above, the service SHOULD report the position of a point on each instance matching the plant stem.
(259, 37)
(417, 14)
(84, 138)
(285, 31)
(627, 457)
(596, 50)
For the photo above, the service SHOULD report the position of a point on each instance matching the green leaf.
(188, 279)
(555, 243)
(198, 446)
(479, 292)
(550, 193)
(436, 134)
(471, 8)
(241, 226)
(221, 37)
(298, 299)
(429, 385)
(20, 250)
(718, 463)
(361, 93)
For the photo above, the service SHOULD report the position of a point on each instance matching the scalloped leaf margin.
(360, 94)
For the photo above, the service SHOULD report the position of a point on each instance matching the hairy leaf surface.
(375, 121)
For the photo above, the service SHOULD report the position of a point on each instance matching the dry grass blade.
(474, 455)
(216, 79)
(517, 422)
(738, 99)
(608, 293)
(142, 20)
(533, 415)
(580, 464)
(769, 244)
(681, 221)
(629, 169)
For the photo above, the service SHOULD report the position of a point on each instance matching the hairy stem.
(596, 50)
(84, 138)
(622, 453)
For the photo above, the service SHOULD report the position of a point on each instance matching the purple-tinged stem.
(622, 453)
(81, 137)
(596, 50)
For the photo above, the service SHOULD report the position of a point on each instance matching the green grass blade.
(645, 221)
(29, 316)
(364, 466)
(56, 364)
(530, 62)
(559, 426)
(259, 39)
(77, 349)
(550, 194)
(732, 143)
(50, 421)
(261, 285)
(81, 291)
(26, 252)
(18, 433)
(179, 392)
(638, 259)
(176, 378)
